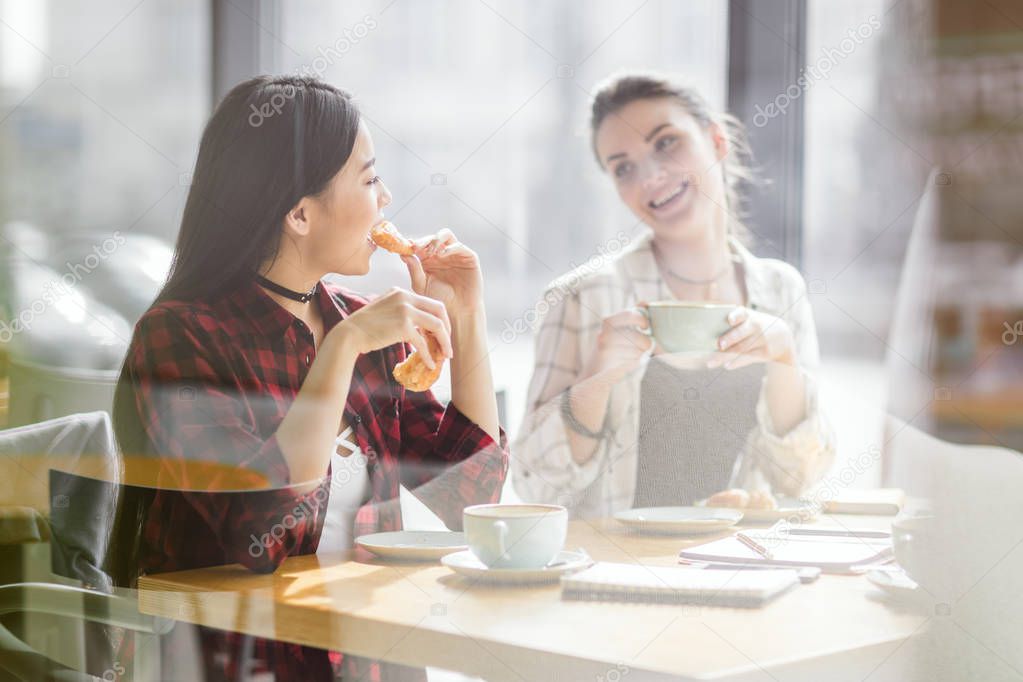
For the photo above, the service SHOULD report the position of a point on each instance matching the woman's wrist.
(577, 425)
(473, 319)
(343, 344)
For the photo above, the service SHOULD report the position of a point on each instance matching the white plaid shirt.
(542, 464)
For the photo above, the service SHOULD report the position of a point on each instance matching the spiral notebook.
(605, 581)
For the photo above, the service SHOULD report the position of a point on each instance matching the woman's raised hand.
(445, 269)
(621, 345)
(398, 316)
(754, 337)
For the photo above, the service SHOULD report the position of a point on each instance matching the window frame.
(766, 55)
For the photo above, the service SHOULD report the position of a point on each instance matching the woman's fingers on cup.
(738, 315)
(627, 318)
(629, 340)
(749, 345)
(747, 351)
(740, 361)
(639, 340)
(735, 335)
(644, 312)
(621, 333)
(728, 360)
(718, 359)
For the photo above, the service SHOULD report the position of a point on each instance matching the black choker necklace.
(287, 293)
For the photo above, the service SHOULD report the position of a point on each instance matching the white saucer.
(788, 508)
(689, 520)
(413, 545)
(466, 564)
(898, 585)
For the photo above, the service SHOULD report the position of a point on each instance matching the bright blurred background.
(478, 112)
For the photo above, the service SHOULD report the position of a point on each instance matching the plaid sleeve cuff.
(273, 522)
(459, 438)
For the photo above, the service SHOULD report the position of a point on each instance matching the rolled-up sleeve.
(189, 410)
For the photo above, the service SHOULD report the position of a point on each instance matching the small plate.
(788, 508)
(466, 564)
(688, 520)
(413, 545)
(898, 585)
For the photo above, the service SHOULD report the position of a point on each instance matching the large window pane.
(101, 106)
(478, 114)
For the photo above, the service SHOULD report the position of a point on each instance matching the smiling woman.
(249, 359)
(615, 417)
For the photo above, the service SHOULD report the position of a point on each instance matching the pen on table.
(843, 533)
(754, 545)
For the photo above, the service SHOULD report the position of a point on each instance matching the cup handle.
(502, 537)
(643, 310)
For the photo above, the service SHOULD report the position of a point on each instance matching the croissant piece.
(412, 372)
(386, 236)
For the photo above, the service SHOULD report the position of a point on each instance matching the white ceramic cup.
(515, 535)
(926, 552)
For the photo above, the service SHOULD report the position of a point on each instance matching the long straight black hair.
(270, 142)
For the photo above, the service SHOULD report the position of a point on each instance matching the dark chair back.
(96, 527)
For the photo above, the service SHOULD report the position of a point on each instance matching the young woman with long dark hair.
(248, 358)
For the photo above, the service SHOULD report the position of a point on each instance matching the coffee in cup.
(515, 535)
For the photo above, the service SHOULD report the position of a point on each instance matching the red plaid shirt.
(213, 380)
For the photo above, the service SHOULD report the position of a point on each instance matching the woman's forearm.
(589, 405)
(472, 384)
(308, 432)
(786, 396)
